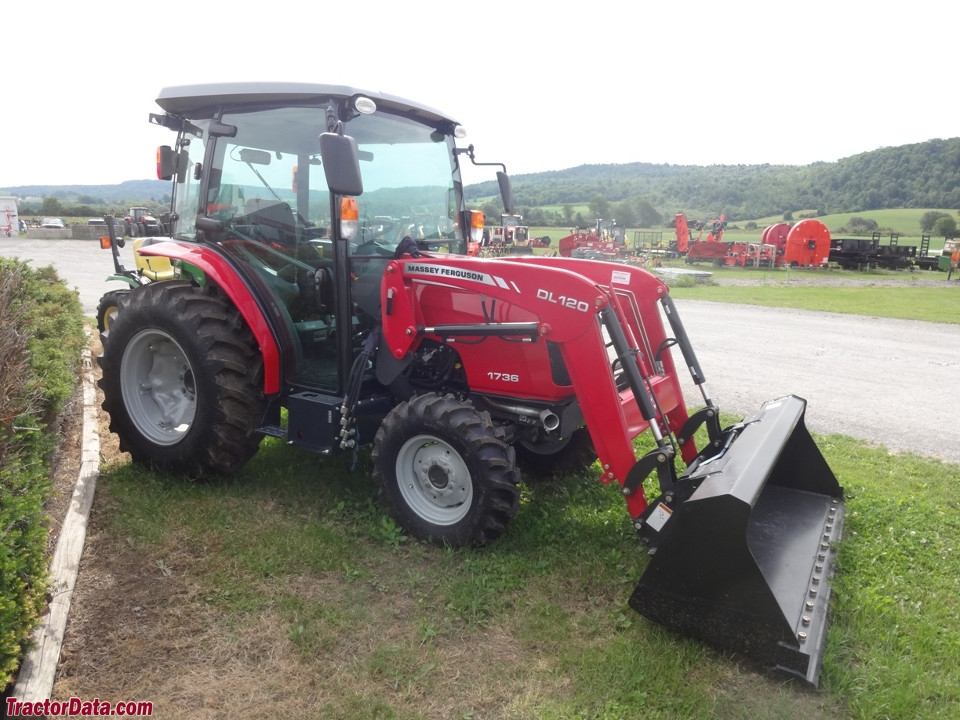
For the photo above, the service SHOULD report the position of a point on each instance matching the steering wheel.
(370, 247)
(379, 229)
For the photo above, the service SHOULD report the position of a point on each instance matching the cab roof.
(192, 100)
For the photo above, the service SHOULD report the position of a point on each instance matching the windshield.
(272, 167)
(259, 172)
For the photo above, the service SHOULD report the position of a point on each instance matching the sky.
(537, 88)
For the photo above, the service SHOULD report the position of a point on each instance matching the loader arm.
(742, 539)
(576, 304)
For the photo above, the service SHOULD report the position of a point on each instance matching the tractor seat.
(152, 266)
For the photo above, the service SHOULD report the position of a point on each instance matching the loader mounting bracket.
(708, 416)
(661, 460)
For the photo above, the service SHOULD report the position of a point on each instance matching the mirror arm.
(506, 190)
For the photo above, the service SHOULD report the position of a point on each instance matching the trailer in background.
(867, 253)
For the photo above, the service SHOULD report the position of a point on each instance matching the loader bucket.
(743, 562)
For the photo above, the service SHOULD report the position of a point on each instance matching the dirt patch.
(65, 467)
(138, 633)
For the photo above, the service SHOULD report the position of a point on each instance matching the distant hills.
(922, 175)
(95, 194)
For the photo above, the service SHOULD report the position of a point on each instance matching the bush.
(945, 227)
(40, 349)
(861, 225)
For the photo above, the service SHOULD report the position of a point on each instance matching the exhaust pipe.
(547, 418)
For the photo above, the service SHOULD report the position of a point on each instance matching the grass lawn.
(932, 304)
(288, 584)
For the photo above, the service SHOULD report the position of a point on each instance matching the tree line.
(921, 175)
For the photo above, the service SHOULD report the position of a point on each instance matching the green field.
(931, 304)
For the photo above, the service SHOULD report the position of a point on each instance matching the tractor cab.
(256, 181)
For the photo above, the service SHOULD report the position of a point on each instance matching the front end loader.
(319, 290)
(741, 540)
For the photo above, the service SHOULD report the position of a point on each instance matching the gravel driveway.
(891, 382)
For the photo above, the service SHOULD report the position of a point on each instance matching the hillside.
(94, 194)
(922, 175)
(910, 176)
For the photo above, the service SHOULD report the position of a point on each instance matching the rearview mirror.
(166, 162)
(506, 192)
(254, 157)
(341, 164)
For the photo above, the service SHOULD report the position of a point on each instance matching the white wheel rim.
(434, 480)
(158, 387)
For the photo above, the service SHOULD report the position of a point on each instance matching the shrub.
(861, 225)
(40, 349)
(945, 226)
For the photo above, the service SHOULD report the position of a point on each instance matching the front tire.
(107, 308)
(444, 473)
(182, 379)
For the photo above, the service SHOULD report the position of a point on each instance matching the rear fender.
(218, 270)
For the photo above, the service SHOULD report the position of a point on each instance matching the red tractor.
(318, 237)
(140, 223)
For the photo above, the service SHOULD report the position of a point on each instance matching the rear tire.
(572, 455)
(443, 473)
(182, 379)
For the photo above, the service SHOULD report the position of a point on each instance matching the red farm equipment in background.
(776, 235)
(604, 241)
(807, 244)
(748, 254)
(710, 250)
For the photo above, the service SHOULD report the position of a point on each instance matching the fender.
(218, 270)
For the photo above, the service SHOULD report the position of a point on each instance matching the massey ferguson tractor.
(321, 292)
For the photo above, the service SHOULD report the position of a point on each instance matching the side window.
(188, 191)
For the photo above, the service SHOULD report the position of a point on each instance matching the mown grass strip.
(906, 303)
(537, 625)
